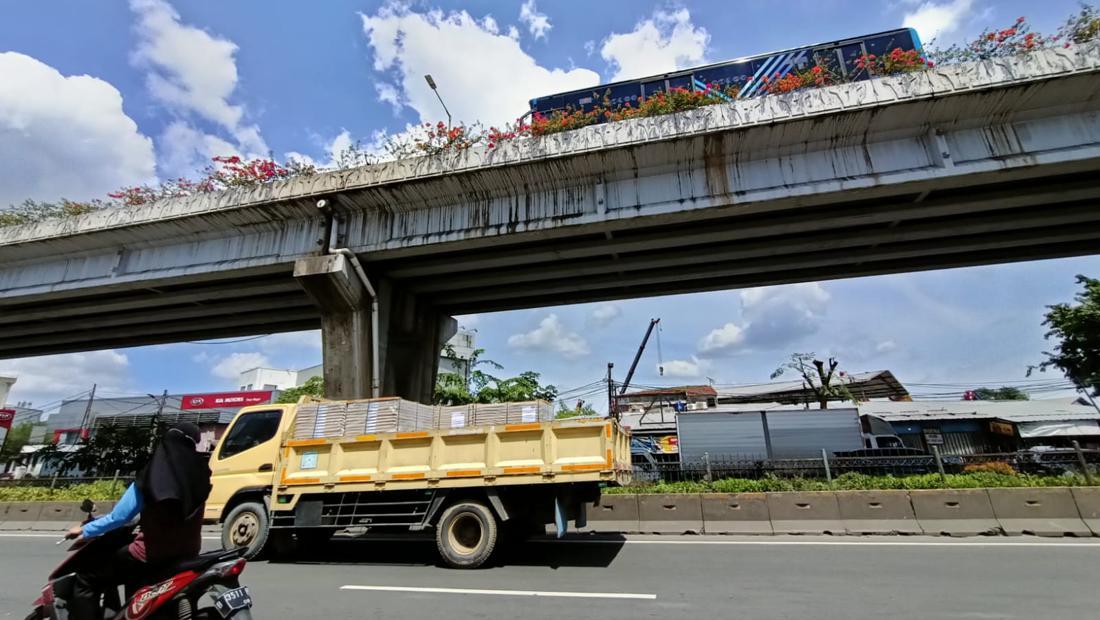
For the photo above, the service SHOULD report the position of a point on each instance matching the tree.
(1002, 393)
(1077, 330)
(315, 386)
(17, 437)
(111, 448)
(816, 378)
(479, 386)
(582, 409)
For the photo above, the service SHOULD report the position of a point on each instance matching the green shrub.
(101, 490)
(859, 482)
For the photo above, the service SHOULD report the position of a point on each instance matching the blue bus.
(747, 73)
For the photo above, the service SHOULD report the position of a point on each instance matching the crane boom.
(638, 356)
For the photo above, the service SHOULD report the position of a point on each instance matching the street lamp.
(431, 83)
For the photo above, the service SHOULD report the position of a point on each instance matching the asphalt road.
(669, 577)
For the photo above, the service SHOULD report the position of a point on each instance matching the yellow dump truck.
(470, 485)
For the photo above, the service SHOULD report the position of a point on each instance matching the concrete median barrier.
(57, 516)
(670, 514)
(1041, 512)
(22, 515)
(877, 512)
(613, 513)
(958, 512)
(805, 513)
(1088, 505)
(736, 513)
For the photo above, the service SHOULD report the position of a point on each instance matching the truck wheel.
(246, 526)
(466, 535)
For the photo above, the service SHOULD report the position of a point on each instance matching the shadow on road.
(422, 552)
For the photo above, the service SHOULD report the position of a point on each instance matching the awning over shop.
(1068, 428)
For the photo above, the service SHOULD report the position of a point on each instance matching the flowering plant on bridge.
(1011, 41)
(893, 62)
(817, 76)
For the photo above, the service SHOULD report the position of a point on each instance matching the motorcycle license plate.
(233, 600)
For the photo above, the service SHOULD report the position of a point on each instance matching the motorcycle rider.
(169, 494)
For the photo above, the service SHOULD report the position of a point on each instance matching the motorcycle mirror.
(87, 506)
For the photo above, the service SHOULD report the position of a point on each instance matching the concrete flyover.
(968, 164)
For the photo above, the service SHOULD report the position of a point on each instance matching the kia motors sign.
(7, 416)
(224, 400)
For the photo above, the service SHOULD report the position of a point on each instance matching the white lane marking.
(615, 595)
(847, 543)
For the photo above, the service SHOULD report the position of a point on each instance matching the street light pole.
(431, 83)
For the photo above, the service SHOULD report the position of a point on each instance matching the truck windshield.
(250, 430)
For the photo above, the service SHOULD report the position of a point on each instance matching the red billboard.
(6, 418)
(224, 400)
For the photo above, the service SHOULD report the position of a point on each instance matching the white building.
(5, 388)
(462, 346)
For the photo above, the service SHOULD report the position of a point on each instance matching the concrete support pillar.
(414, 336)
(345, 323)
(411, 334)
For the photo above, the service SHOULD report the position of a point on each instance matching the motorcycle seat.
(210, 558)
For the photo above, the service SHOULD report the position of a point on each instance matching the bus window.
(826, 57)
(880, 46)
(850, 53)
(680, 81)
(618, 96)
(651, 88)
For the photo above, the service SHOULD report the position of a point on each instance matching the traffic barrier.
(22, 515)
(1041, 512)
(670, 514)
(805, 513)
(736, 513)
(1088, 505)
(57, 515)
(958, 512)
(613, 513)
(877, 512)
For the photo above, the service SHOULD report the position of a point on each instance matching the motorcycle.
(204, 588)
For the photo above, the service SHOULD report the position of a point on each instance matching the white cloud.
(232, 365)
(388, 93)
(64, 136)
(666, 41)
(538, 24)
(936, 20)
(694, 368)
(604, 314)
(194, 73)
(725, 338)
(482, 74)
(553, 336)
(47, 379)
(771, 318)
(291, 342)
(886, 346)
(184, 149)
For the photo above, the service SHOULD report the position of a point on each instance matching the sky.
(94, 96)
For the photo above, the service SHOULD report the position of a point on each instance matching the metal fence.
(1054, 462)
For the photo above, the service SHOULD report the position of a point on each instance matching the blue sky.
(116, 93)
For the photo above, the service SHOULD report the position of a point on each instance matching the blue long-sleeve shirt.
(124, 512)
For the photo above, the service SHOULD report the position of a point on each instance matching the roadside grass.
(102, 490)
(855, 482)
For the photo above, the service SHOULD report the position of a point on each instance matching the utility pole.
(87, 413)
(612, 410)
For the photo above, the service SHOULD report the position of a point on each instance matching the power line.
(204, 342)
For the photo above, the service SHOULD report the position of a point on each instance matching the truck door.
(245, 457)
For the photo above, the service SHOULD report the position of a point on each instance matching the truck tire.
(466, 535)
(247, 526)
